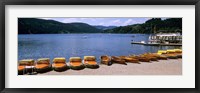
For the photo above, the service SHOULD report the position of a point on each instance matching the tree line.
(41, 26)
(154, 25)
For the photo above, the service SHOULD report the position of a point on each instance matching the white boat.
(165, 38)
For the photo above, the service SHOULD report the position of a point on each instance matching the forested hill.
(104, 27)
(153, 25)
(41, 26)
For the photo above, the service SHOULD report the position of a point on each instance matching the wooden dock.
(156, 44)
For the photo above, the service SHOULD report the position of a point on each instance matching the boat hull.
(106, 60)
(118, 60)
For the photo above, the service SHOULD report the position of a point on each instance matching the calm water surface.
(68, 45)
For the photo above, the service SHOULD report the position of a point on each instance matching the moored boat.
(26, 66)
(173, 53)
(163, 39)
(178, 52)
(76, 63)
(21, 70)
(171, 56)
(43, 65)
(106, 60)
(159, 56)
(118, 60)
(129, 59)
(90, 62)
(141, 58)
(162, 52)
(59, 64)
(151, 56)
(170, 51)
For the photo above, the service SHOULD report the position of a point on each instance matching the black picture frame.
(3, 3)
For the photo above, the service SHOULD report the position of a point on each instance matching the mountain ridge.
(104, 27)
(154, 25)
(41, 26)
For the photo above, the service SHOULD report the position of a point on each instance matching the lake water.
(34, 46)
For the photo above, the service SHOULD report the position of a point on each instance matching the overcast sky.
(103, 21)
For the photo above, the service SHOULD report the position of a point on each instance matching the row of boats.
(59, 64)
(146, 57)
(43, 65)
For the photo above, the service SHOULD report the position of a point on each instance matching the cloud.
(91, 19)
(135, 21)
(128, 22)
(147, 18)
(102, 23)
(100, 18)
(46, 18)
(116, 21)
(70, 20)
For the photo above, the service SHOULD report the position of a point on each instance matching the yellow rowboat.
(59, 64)
(150, 56)
(43, 65)
(129, 59)
(175, 52)
(76, 63)
(24, 65)
(171, 56)
(178, 50)
(118, 60)
(155, 56)
(162, 52)
(170, 51)
(158, 56)
(90, 62)
(141, 58)
(106, 60)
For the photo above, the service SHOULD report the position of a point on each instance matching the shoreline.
(87, 33)
(161, 67)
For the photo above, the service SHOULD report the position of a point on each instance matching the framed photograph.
(56, 46)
